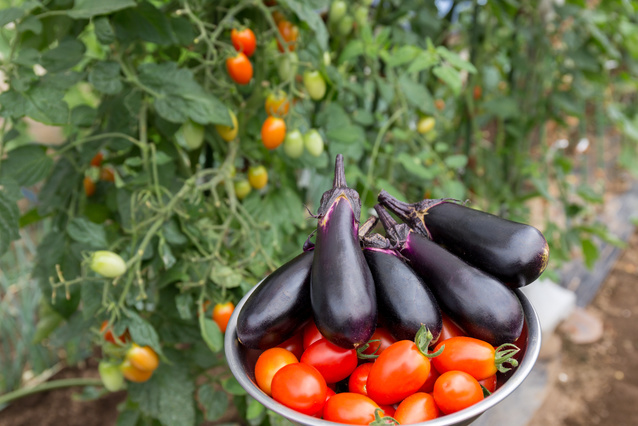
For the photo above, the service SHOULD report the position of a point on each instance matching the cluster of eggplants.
(445, 256)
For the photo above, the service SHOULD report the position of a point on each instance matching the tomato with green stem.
(239, 68)
(289, 33)
(107, 333)
(456, 390)
(475, 357)
(273, 132)
(222, 313)
(416, 408)
(228, 133)
(244, 41)
(269, 363)
(258, 176)
(333, 362)
(277, 104)
(300, 387)
(107, 263)
(315, 84)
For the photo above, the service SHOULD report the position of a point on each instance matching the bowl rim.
(465, 416)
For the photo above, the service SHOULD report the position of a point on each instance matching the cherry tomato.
(361, 15)
(330, 393)
(111, 376)
(191, 134)
(107, 264)
(287, 66)
(384, 338)
(242, 189)
(311, 334)
(89, 186)
(228, 133)
(359, 378)
(344, 27)
(134, 374)
(397, 373)
(425, 125)
(450, 329)
(293, 144)
(96, 161)
(142, 357)
(289, 33)
(301, 387)
(315, 84)
(333, 362)
(350, 408)
(456, 390)
(222, 313)
(428, 386)
(268, 363)
(313, 142)
(294, 345)
(439, 104)
(388, 410)
(489, 383)
(107, 174)
(416, 408)
(473, 356)
(106, 331)
(338, 10)
(239, 68)
(478, 93)
(244, 41)
(257, 176)
(273, 132)
(277, 104)
(277, 16)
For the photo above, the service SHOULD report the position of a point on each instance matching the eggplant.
(342, 293)
(515, 253)
(481, 305)
(278, 307)
(404, 302)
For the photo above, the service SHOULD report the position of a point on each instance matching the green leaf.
(254, 408)
(457, 161)
(67, 54)
(27, 165)
(211, 334)
(590, 252)
(353, 49)
(103, 30)
(183, 302)
(400, 56)
(9, 220)
(10, 14)
(214, 401)
(83, 231)
(455, 60)
(225, 276)
(142, 332)
(450, 77)
(44, 102)
(425, 60)
(105, 77)
(83, 9)
(145, 22)
(416, 94)
(232, 386)
(179, 97)
(503, 107)
(307, 14)
(83, 116)
(414, 166)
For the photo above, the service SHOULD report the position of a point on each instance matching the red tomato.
(222, 313)
(273, 132)
(350, 408)
(388, 410)
(300, 387)
(268, 363)
(359, 378)
(97, 160)
(478, 92)
(450, 329)
(108, 334)
(244, 41)
(311, 334)
(416, 408)
(333, 362)
(489, 383)
(397, 373)
(385, 340)
(89, 186)
(239, 68)
(289, 32)
(429, 382)
(474, 356)
(330, 393)
(294, 345)
(456, 390)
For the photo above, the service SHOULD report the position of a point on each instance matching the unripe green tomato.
(361, 15)
(345, 25)
(287, 66)
(327, 59)
(315, 84)
(242, 189)
(425, 125)
(293, 144)
(192, 134)
(112, 377)
(313, 142)
(107, 264)
(338, 10)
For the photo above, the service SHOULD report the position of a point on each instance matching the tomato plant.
(222, 313)
(96, 161)
(107, 174)
(269, 363)
(191, 134)
(244, 41)
(273, 132)
(456, 390)
(425, 124)
(287, 66)
(300, 387)
(239, 68)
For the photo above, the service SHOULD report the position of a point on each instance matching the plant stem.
(56, 384)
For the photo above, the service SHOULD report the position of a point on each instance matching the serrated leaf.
(232, 386)
(144, 22)
(105, 77)
(214, 401)
(211, 334)
(27, 165)
(10, 14)
(83, 9)
(44, 102)
(67, 54)
(86, 232)
(142, 332)
(9, 221)
(307, 14)
(416, 94)
(179, 97)
(103, 30)
(450, 77)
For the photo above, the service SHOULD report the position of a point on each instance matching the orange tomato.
(222, 313)
(134, 374)
(244, 41)
(268, 363)
(439, 104)
(89, 186)
(107, 174)
(277, 104)
(273, 132)
(289, 32)
(97, 160)
(108, 334)
(142, 357)
(239, 68)
(416, 408)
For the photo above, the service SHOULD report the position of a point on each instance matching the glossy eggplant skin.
(481, 305)
(404, 301)
(342, 290)
(279, 305)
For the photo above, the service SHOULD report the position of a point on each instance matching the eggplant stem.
(340, 173)
(423, 339)
(364, 347)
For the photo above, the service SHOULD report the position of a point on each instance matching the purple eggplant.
(278, 307)
(342, 291)
(515, 253)
(480, 304)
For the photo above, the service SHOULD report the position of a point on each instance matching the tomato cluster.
(410, 381)
(97, 172)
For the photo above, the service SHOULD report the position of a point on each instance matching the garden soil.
(590, 384)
